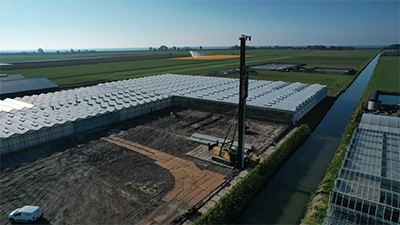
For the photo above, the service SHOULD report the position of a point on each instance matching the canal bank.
(385, 77)
(283, 199)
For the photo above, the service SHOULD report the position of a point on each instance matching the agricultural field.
(16, 58)
(76, 70)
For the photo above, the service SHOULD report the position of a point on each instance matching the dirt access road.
(88, 179)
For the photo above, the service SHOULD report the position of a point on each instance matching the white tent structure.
(37, 119)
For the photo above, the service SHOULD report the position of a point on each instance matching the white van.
(27, 213)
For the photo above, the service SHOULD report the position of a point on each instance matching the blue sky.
(81, 24)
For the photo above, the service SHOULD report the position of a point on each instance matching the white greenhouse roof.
(380, 123)
(19, 115)
(371, 169)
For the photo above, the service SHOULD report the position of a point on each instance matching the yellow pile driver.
(224, 151)
(236, 156)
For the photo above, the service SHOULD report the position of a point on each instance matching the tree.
(40, 51)
(163, 48)
(150, 48)
(174, 48)
(235, 47)
(394, 46)
(201, 48)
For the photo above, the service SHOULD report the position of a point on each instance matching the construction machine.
(236, 156)
(226, 150)
(228, 154)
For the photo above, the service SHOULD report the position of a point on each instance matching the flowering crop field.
(210, 57)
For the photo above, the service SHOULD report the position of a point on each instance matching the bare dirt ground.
(89, 180)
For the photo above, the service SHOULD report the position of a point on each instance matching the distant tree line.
(174, 48)
(237, 47)
(41, 51)
(309, 47)
(394, 47)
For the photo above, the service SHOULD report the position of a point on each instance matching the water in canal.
(283, 199)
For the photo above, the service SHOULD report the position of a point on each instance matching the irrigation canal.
(283, 199)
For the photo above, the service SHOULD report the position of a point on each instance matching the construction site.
(143, 173)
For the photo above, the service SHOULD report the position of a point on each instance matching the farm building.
(233, 72)
(16, 85)
(300, 68)
(390, 52)
(333, 71)
(367, 190)
(277, 67)
(37, 119)
(5, 77)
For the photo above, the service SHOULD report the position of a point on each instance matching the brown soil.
(88, 180)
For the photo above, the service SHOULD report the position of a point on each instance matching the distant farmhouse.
(16, 85)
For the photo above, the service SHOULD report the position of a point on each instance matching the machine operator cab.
(27, 214)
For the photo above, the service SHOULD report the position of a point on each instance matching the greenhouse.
(276, 66)
(367, 190)
(37, 119)
(16, 85)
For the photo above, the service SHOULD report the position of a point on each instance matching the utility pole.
(243, 89)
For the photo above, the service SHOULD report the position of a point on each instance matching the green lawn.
(80, 75)
(386, 75)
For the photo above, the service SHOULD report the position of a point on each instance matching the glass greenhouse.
(37, 119)
(367, 189)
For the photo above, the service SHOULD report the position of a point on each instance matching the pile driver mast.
(243, 91)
